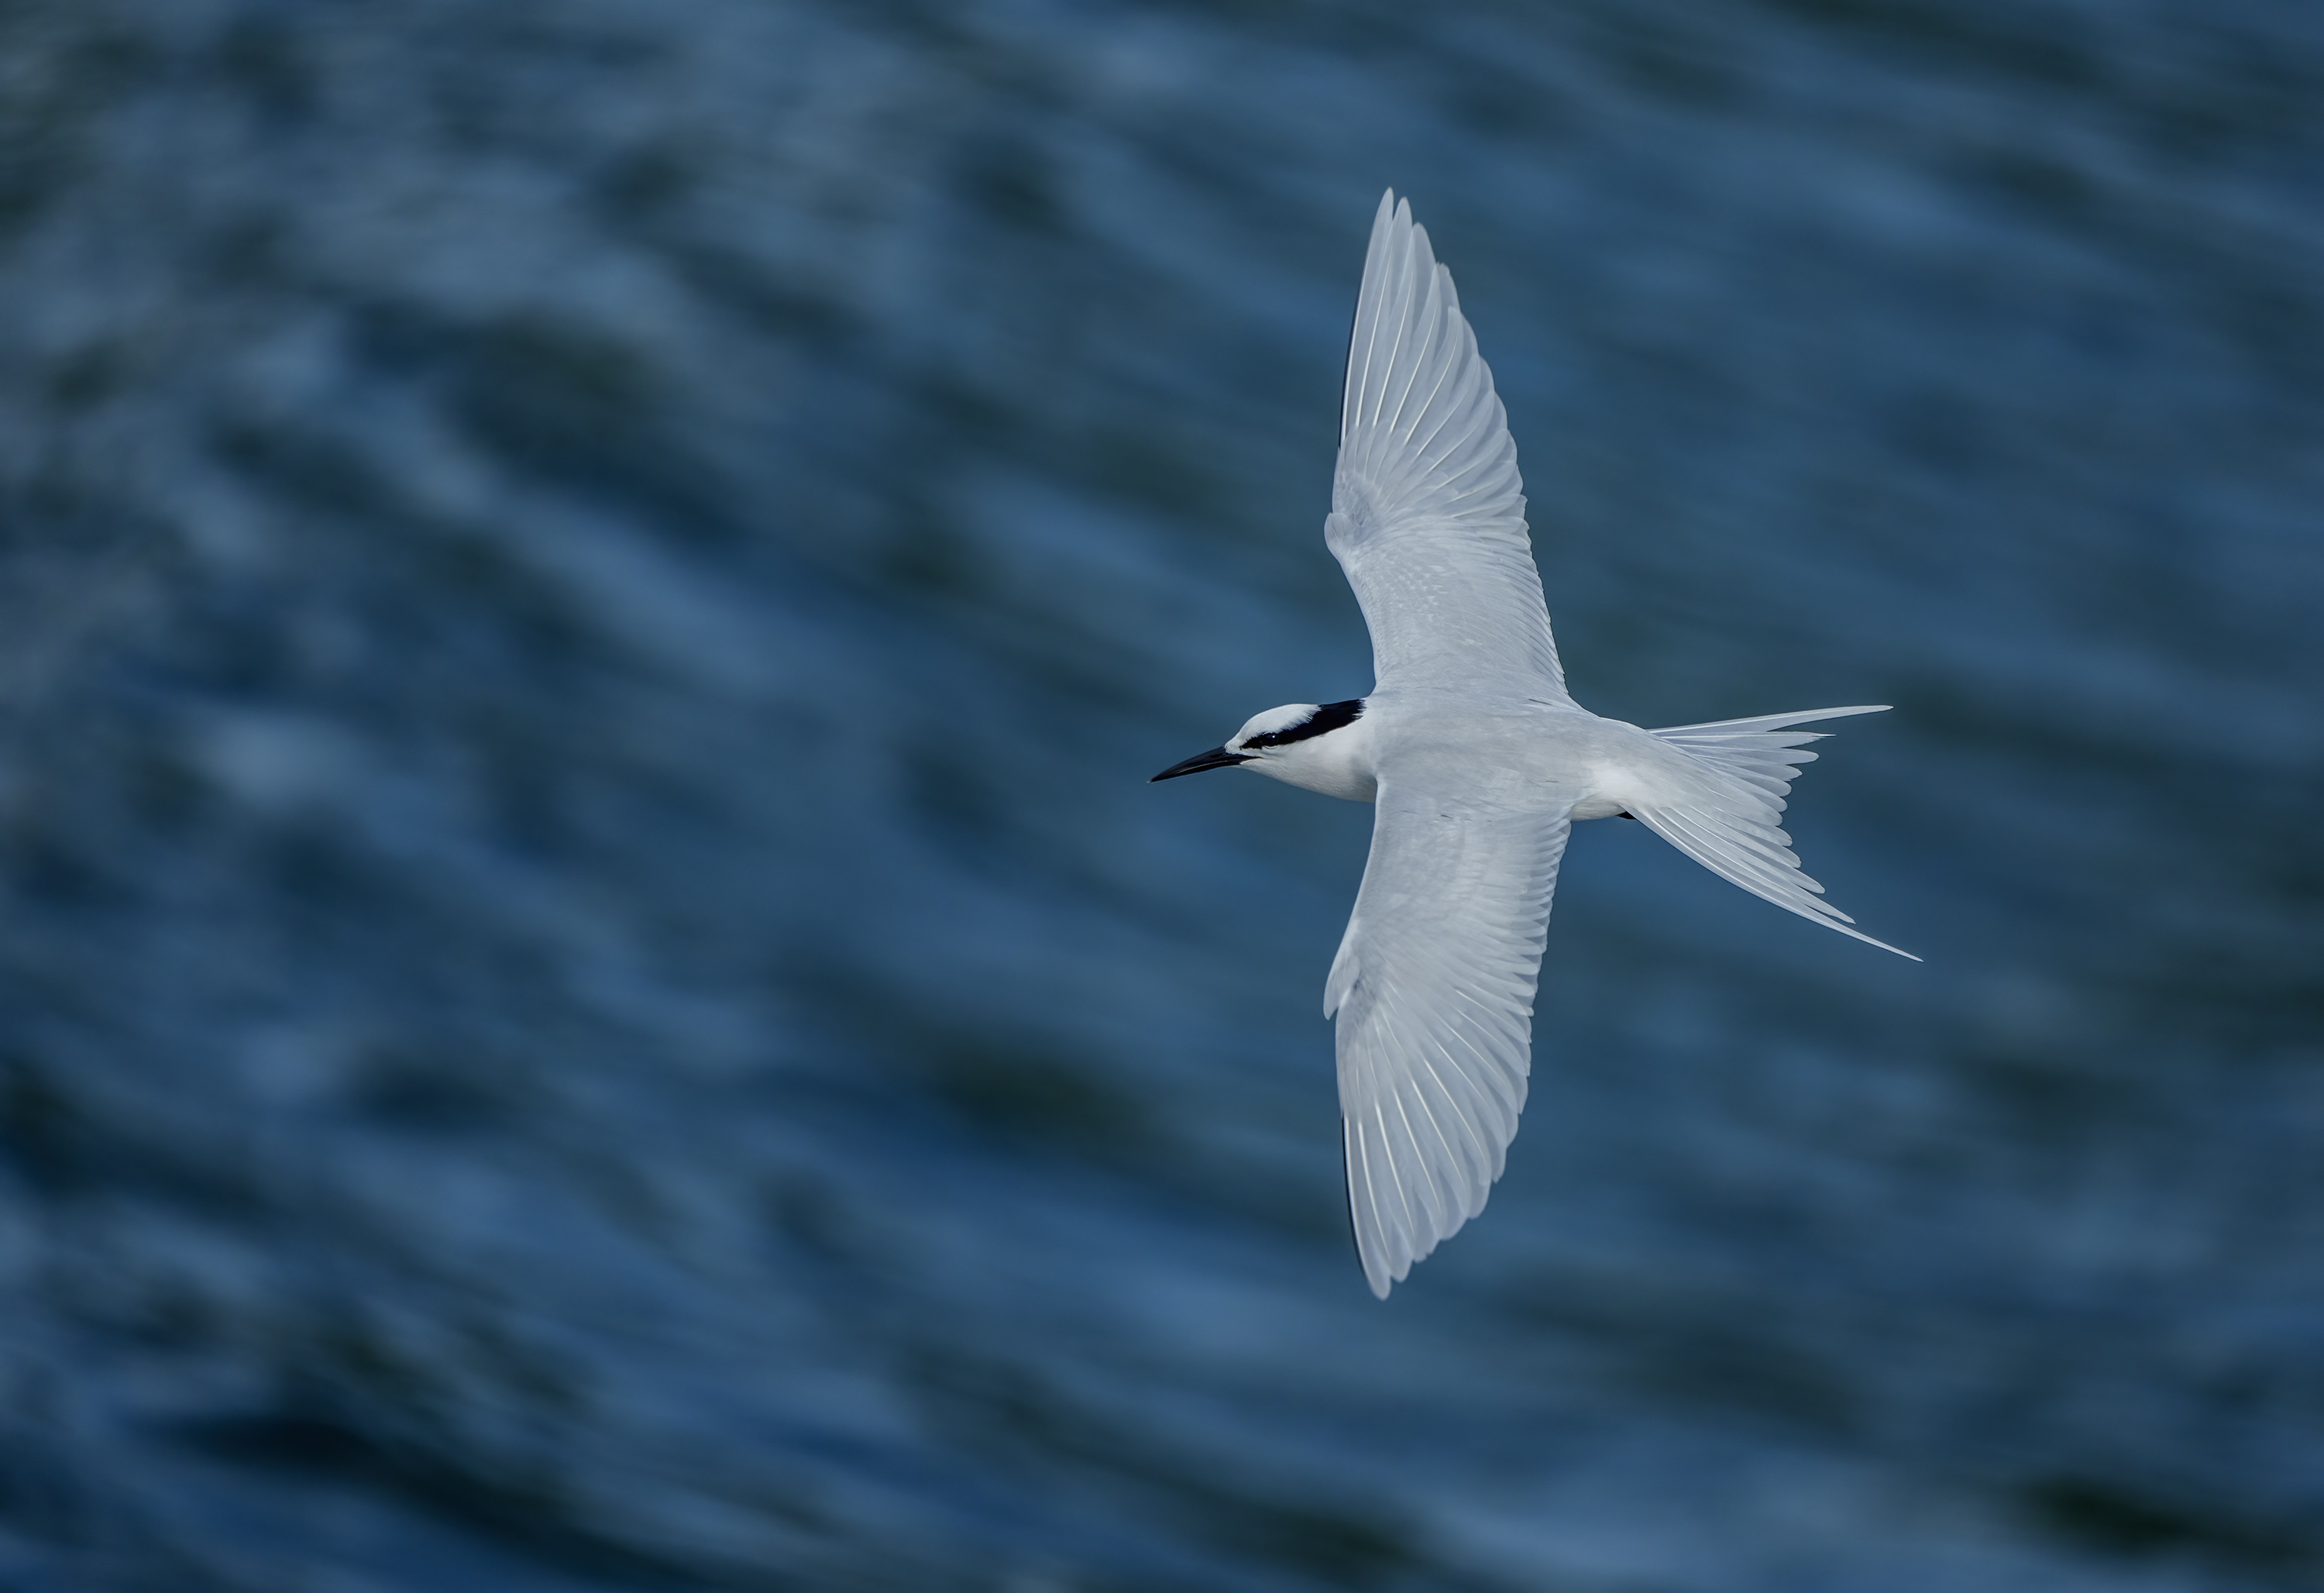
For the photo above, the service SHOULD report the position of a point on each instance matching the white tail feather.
(1725, 816)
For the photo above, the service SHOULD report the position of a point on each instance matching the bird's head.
(1295, 743)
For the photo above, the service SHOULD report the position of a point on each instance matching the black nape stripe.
(1331, 716)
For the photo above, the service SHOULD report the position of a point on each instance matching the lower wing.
(1434, 990)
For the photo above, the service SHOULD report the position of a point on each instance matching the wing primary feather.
(1363, 1206)
(1369, 303)
(1398, 1182)
(1444, 361)
(1484, 1082)
(1473, 1133)
(1432, 1195)
(1413, 325)
(1495, 1077)
(1455, 1159)
(1382, 1230)
(1453, 412)
(1431, 358)
(1397, 293)
(1405, 1045)
(1375, 1234)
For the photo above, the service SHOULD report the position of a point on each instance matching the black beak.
(1218, 758)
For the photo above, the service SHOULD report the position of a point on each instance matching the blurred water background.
(592, 994)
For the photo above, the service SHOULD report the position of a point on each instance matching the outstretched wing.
(1434, 990)
(1428, 510)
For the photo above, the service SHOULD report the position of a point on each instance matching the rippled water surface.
(591, 993)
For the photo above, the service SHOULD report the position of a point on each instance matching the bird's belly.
(1521, 757)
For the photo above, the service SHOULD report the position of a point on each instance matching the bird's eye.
(1331, 716)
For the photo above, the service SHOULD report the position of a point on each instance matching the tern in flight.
(1478, 761)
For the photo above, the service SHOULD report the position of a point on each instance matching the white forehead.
(1276, 718)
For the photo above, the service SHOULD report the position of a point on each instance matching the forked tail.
(1721, 808)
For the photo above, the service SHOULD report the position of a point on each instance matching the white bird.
(1479, 762)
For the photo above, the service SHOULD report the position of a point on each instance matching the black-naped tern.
(1479, 762)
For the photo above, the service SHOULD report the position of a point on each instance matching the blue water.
(591, 990)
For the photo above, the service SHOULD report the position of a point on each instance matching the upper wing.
(1427, 512)
(1434, 988)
